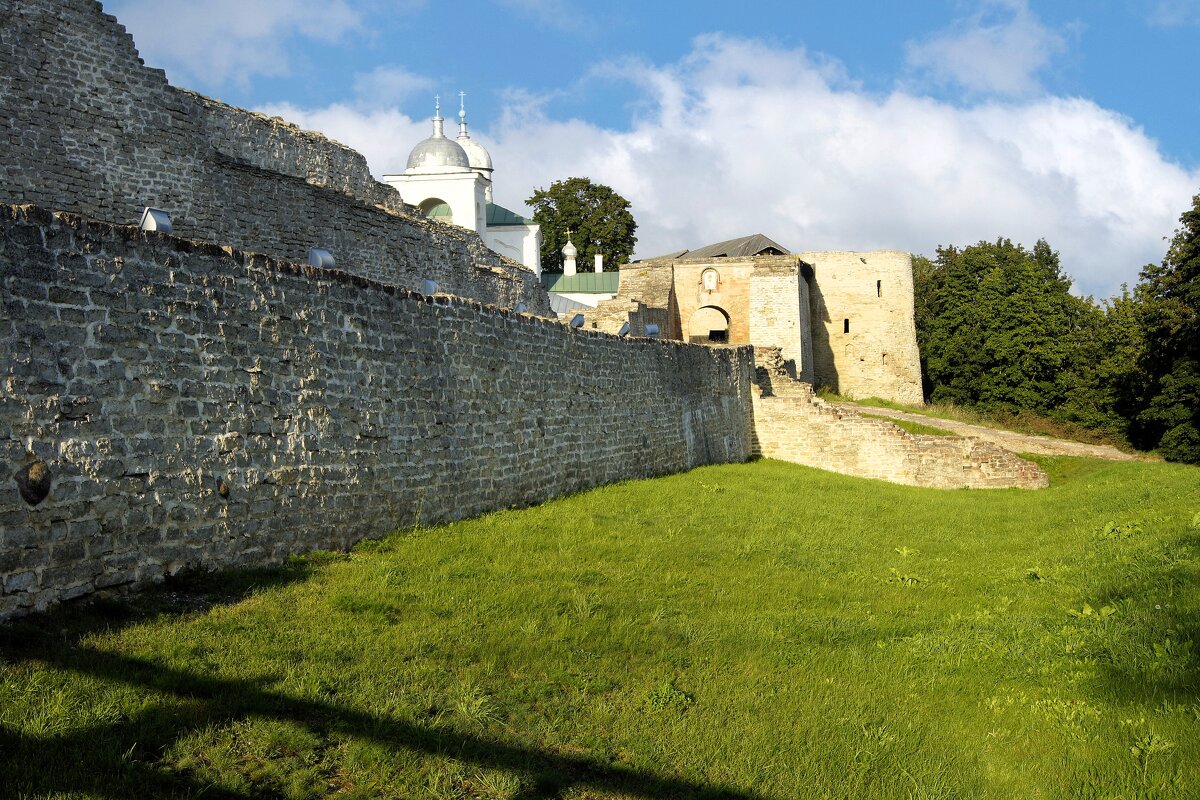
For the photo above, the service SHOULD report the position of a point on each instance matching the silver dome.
(438, 151)
(477, 155)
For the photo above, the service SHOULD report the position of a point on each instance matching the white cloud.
(384, 135)
(211, 44)
(744, 137)
(1000, 49)
(1175, 13)
(559, 15)
(387, 85)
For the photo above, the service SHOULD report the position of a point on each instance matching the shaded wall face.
(778, 317)
(148, 372)
(863, 333)
(86, 128)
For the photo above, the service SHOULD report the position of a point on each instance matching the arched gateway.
(709, 325)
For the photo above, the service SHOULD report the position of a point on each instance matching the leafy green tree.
(597, 217)
(997, 325)
(1169, 295)
(1103, 383)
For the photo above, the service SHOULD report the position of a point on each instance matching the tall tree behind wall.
(1169, 310)
(1103, 383)
(997, 326)
(597, 217)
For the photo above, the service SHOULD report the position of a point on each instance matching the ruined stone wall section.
(83, 125)
(792, 424)
(86, 128)
(878, 357)
(646, 297)
(200, 407)
(275, 145)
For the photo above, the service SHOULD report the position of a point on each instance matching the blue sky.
(825, 126)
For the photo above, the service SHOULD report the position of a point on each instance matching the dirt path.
(1015, 442)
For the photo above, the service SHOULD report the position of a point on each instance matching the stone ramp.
(793, 424)
(1013, 442)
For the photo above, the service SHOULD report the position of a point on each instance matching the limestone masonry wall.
(792, 424)
(873, 293)
(778, 291)
(198, 406)
(171, 402)
(647, 297)
(85, 127)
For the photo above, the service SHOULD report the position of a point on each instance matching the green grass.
(752, 631)
(913, 427)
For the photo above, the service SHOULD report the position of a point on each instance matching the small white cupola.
(569, 251)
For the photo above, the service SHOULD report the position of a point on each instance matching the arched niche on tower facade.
(709, 325)
(438, 209)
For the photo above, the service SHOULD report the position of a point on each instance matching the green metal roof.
(440, 210)
(499, 215)
(582, 282)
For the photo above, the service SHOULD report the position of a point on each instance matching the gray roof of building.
(562, 305)
(665, 256)
(753, 245)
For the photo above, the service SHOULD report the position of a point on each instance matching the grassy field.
(750, 631)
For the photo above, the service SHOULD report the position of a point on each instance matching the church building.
(450, 180)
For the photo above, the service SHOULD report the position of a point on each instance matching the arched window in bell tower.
(438, 209)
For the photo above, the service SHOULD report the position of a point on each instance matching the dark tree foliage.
(1102, 383)
(998, 326)
(598, 218)
(1169, 310)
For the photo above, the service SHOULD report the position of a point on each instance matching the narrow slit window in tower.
(845, 326)
(879, 288)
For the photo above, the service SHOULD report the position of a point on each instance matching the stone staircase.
(793, 424)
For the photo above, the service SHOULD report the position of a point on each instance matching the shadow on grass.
(188, 593)
(1168, 670)
(117, 759)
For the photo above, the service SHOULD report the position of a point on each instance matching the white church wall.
(462, 191)
(521, 243)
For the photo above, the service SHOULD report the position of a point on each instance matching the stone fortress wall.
(190, 402)
(198, 406)
(792, 424)
(85, 127)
